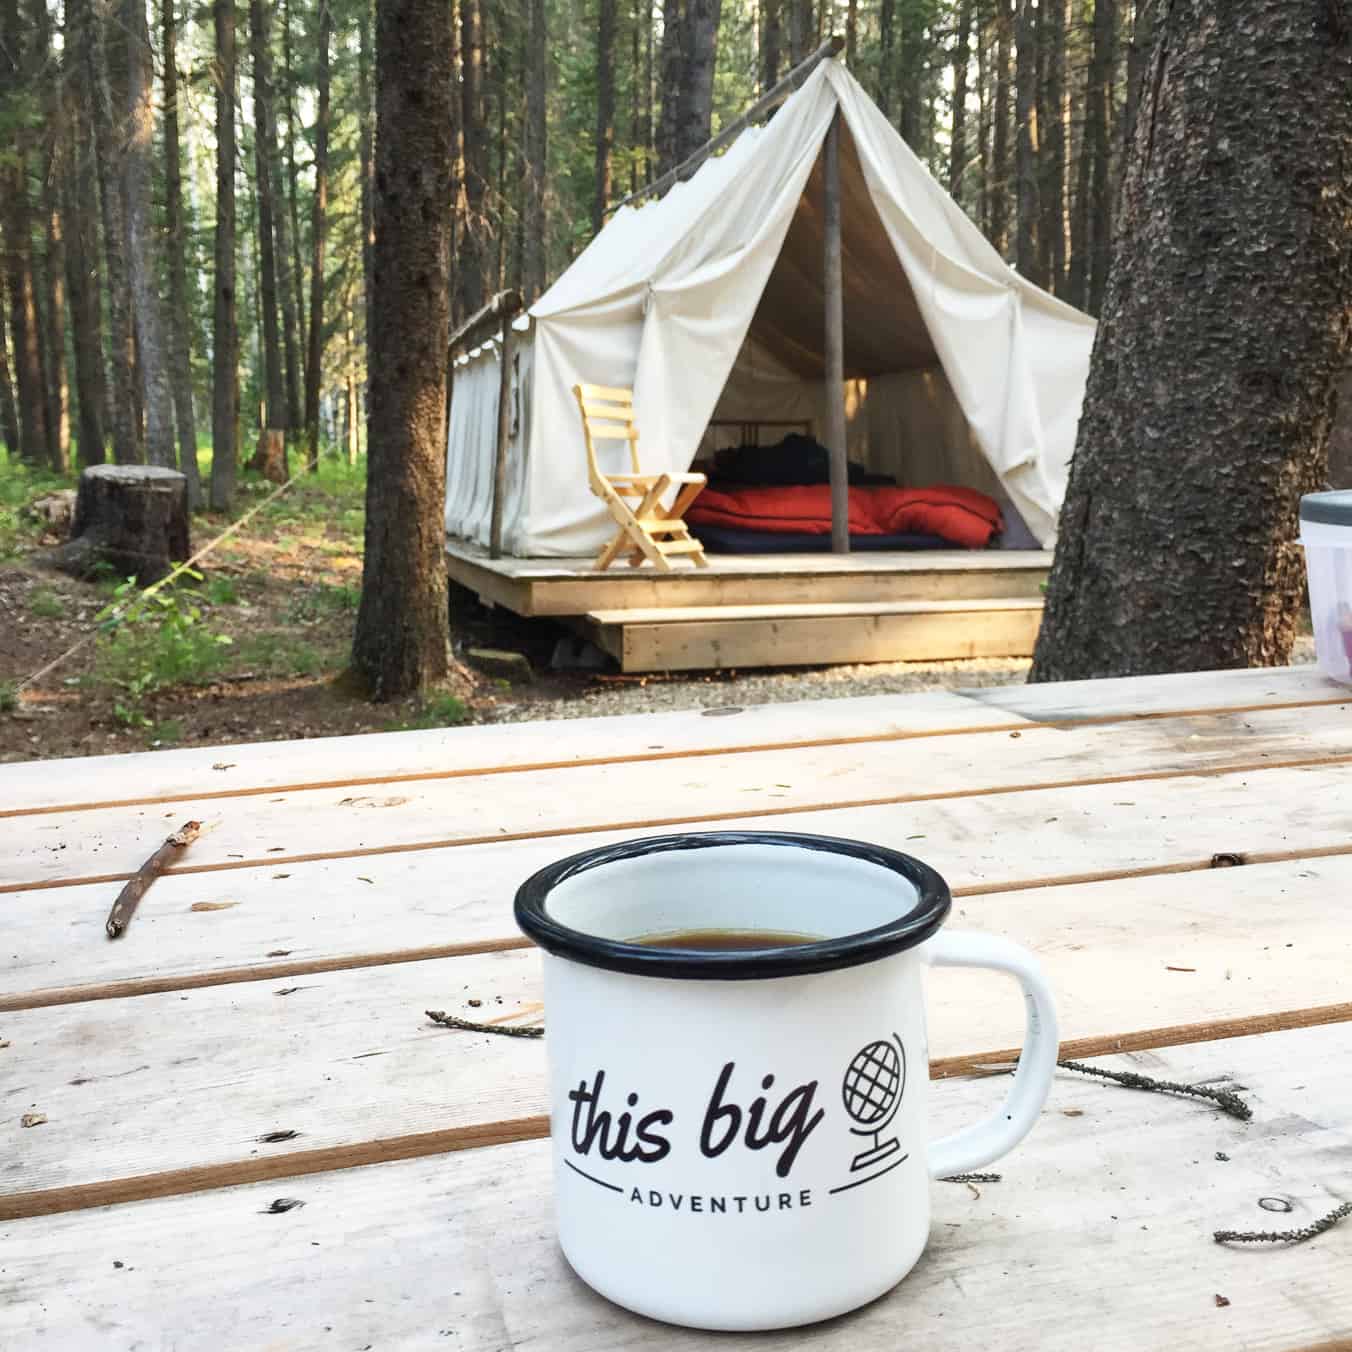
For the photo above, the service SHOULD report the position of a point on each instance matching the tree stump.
(130, 521)
(270, 457)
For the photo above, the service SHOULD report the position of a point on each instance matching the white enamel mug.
(740, 1137)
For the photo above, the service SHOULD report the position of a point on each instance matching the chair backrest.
(607, 415)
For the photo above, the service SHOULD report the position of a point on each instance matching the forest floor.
(256, 650)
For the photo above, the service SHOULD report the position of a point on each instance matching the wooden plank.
(207, 773)
(998, 629)
(271, 922)
(109, 843)
(1103, 1219)
(643, 615)
(347, 1057)
(1142, 696)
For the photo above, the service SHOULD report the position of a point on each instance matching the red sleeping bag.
(960, 515)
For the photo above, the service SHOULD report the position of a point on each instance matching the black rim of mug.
(932, 904)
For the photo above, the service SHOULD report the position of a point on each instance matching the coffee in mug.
(740, 1133)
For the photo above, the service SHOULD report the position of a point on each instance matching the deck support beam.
(835, 343)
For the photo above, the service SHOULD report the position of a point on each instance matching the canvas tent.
(709, 303)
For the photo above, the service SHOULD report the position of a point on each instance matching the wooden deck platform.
(779, 609)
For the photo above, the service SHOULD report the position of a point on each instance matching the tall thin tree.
(772, 43)
(366, 132)
(673, 60)
(471, 250)
(697, 91)
(958, 155)
(1099, 130)
(9, 410)
(1026, 142)
(80, 188)
(1052, 136)
(175, 241)
(265, 156)
(17, 93)
(319, 228)
(605, 108)
(225, 315)
(1000, 176)
(144, 263)
(401, 639)
(533, 263)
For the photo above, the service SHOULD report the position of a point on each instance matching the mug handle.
(996, 1135)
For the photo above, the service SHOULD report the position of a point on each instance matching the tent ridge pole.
(835, 342)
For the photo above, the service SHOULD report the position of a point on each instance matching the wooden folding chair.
(649, 531)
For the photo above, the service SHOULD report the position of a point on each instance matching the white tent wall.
(663, 299)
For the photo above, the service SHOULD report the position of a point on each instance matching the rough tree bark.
(802, 30)
(80, 188)
(1340, 439)
(1098, 130)
(25, 323)
(605, 108)
(533, 263)
(265, 155)
(55, 167)
(1224, 330)
(1052, 136)
(772, 43)
(983, 120)
(1138, 51)
(401, 639)
(366, 132)
(1026, 143)
(143, 241)
(1000, 134)
(640, 16)
(887, 32)
(471, 252)
(126, 419)
(225, 321)
(697, 94)
(132, 519)
(673, 59)
(296, 264)
(962, 48)
(180, 324)
(319, 234)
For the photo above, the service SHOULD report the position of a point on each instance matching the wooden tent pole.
(835, 343)
(504, 433)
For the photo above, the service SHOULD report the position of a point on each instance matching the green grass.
(322, 601)
(20, 484)
(281, 655)
(441, 710)
(166, 733)
(47, 604)
(220, 590)
(9, 697)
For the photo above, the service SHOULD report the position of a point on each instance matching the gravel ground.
(600, 696)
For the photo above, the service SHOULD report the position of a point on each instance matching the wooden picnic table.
(259, 1032)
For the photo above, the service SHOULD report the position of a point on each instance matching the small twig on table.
(1225, 1099)
(469, 1026)
(1285, 1236)
(130, 896)
(972, 1178)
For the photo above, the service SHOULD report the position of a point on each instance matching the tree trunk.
(132, 519)
(1100, 124)
(9, 410)
(1026, 146)
(958, 155)
(911, 93)
(25, 323)
(697, 101)
(605, 108)
(533, 263)
(1052, 128)
(802, 30)
(401, 639)
(637, 140)
(296, 265)
(1340, 438)
(471, 255)
(55, 162)
(772, 43)
(983, 120)
(851, 32)
(319, 230)
(1224, 331)
(674, 40)
(265, 154)
(225, 321)
(142, 240)
(1077, 287)
(103, 55)
(366, 152)
(80, 190)
(887, 38)
(1000, 149)
(1138, 52)
(180, 322)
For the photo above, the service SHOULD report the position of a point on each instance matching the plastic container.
(1326, 533)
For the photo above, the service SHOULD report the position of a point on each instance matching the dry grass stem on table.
(1225, 1099)
(1311, 1231)
(469, 1026)
(129, 898)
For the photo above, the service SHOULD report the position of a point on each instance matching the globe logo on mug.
(737, 1051)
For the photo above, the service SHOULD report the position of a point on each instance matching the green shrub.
(47, 604)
